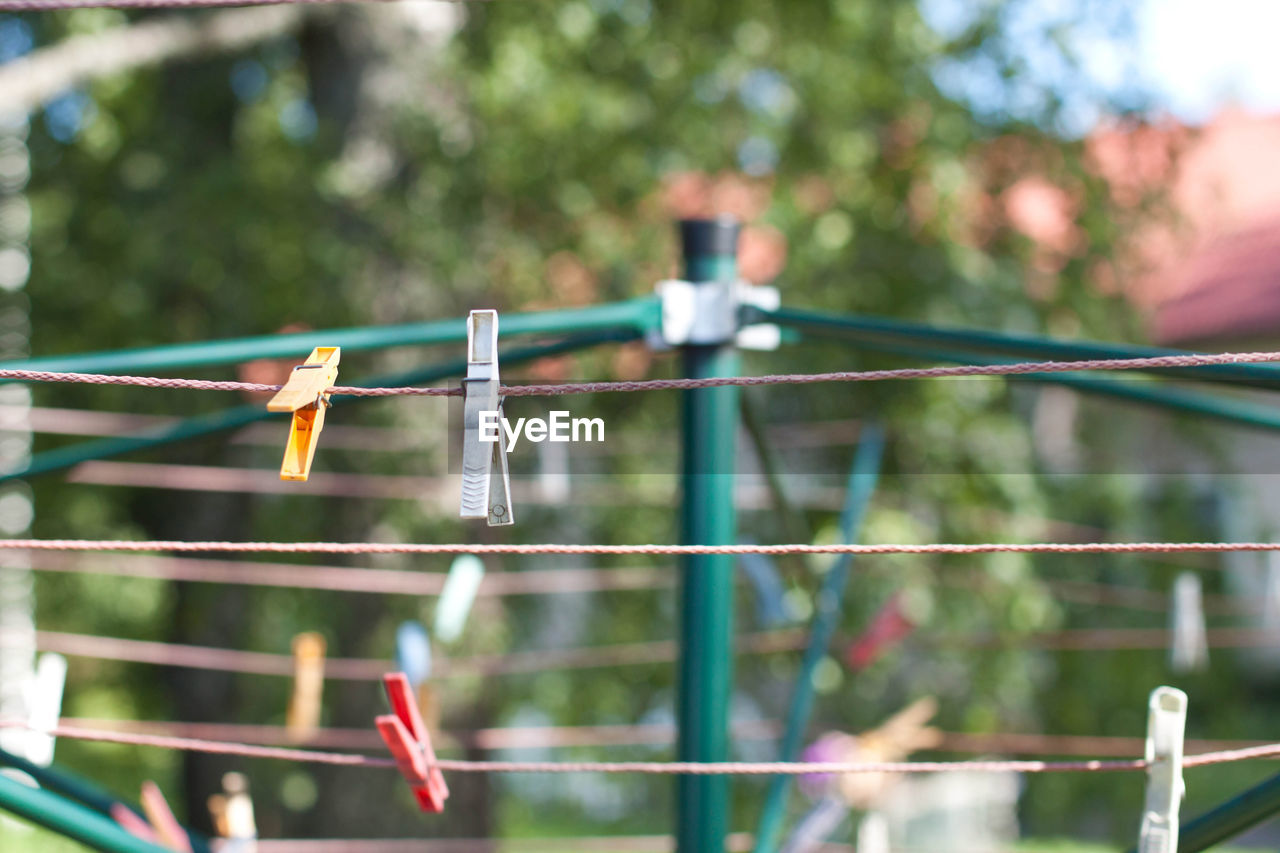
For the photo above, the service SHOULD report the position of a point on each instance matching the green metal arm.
(637, 315)
(1234, 411)
(72, 786)
(229, 419)
(867, 330)
(69, 818)
(862, 482)
(1228, 820)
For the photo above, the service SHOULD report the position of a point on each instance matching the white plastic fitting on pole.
(1166, 726)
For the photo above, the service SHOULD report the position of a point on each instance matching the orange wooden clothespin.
(303, 716)
(304, 395)
(406, 737)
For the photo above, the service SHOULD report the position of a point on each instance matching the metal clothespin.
(1166, 725)
(406, 736)
(1189, 640)
(304, 395)
(302, 719)
(486, 480)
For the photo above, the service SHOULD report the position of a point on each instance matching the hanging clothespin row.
(1189, 641)
(486, 480)
(302, 719)
(232, 813)
(466, 573)
(305, 395)
(406, 736)
(1166, 727)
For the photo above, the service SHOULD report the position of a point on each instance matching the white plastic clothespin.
(1189, 643)
(454, 605)
(44, 706)
(232, 813)
(1166, 725)
(486, 480)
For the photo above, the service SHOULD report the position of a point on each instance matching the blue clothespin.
(763, 575)
(413, 652)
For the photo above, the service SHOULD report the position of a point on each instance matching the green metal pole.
(862, 482)
(885, 330)
(69, 818)
(1228, 820)
(709, 423)
(638, 315)
(224, 420)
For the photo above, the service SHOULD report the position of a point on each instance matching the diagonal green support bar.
(637, 315)
(1239, 412)
(69, 818)
(68, 784)
(234, 418)
(862, 483)
(887, 331)
(63, 782)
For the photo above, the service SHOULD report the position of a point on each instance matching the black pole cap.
(700, 237)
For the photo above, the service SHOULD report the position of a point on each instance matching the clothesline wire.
(629, 735)
(530, 581)
(651, 652)
(938, 548)
(558, 389)
(730, 768)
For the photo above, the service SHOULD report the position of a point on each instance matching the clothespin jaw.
(1166, 726)
(486, 480)
(406, 736)
(304, 395)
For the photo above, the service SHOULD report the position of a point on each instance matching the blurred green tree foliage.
(375, 166)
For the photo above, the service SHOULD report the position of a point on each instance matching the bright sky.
(1200, 56)
(1192, 57)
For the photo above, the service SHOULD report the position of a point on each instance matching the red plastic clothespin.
(890, 625)
(406, 737)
